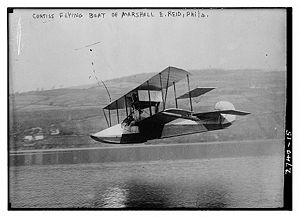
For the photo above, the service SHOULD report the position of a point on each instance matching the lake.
(243, 180)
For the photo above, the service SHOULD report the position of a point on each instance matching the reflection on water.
(212, 196)
(146, 195)
(245, 182)
(113, 197)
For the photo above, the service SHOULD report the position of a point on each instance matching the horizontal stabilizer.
(216, 114)
(195, 93)
(234, 112)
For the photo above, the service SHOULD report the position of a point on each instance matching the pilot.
(131, 119)
(136, 115)
(135, 102)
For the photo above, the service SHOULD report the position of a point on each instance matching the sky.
(47, 48)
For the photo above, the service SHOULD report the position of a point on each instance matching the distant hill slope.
(77, 111)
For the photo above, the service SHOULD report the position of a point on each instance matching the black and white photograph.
(149, 108)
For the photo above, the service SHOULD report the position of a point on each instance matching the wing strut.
(167, 86)
(105, 117)
(126, 106)
(109, 117)
(150, 109)
(117, 112)
(188, 82)
(175, 95)
(162, 92)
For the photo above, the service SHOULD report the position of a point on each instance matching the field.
(77, 111)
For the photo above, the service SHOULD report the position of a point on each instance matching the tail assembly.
(224, 112)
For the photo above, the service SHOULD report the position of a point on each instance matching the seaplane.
(147, 117)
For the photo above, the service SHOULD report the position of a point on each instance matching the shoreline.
(143, 152)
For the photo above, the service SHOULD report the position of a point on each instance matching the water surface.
(230, 182)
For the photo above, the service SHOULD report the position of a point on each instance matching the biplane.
(147, 117)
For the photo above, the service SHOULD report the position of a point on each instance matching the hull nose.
(117, 135)
(109, 135)
(96, 138)
(111, 140)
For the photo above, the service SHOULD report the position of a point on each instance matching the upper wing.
(216, 114)
(161, 80)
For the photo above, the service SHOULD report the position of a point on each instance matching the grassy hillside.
(77, 111)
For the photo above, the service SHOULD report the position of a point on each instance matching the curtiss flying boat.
(159, 122)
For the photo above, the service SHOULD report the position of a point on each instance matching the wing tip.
(178, 68)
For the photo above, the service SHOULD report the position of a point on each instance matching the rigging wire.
(86, 46)
(95, 76)
(99, 85)
(98, 82)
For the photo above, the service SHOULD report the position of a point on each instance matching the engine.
(225, 105)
